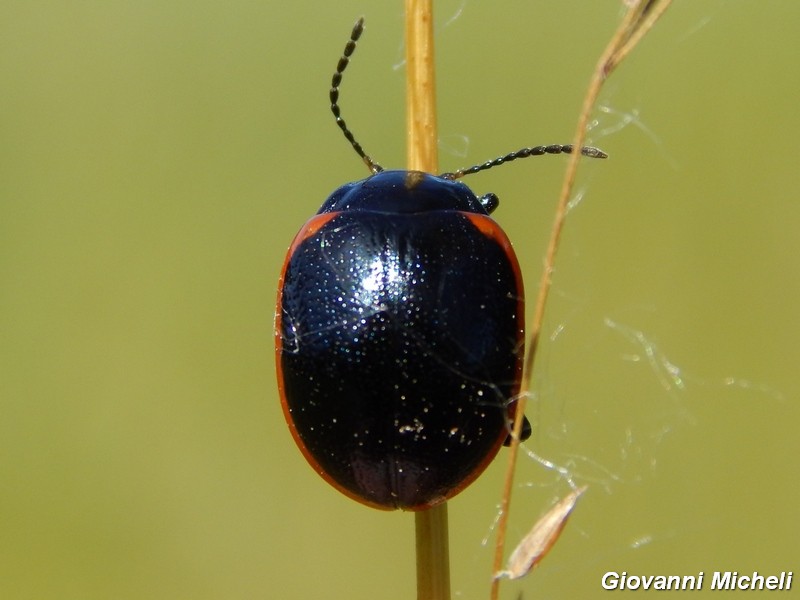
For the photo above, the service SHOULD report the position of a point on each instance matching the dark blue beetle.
(399, 332)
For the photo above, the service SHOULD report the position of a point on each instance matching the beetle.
(399, 331)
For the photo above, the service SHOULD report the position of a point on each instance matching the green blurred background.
(156, 158)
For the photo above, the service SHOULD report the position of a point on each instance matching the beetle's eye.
(489, 202)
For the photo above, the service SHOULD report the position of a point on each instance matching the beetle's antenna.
(589, 151)
(358, 29)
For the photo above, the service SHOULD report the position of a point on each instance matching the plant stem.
(639, 19)
(420, 88)
(433, 556)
